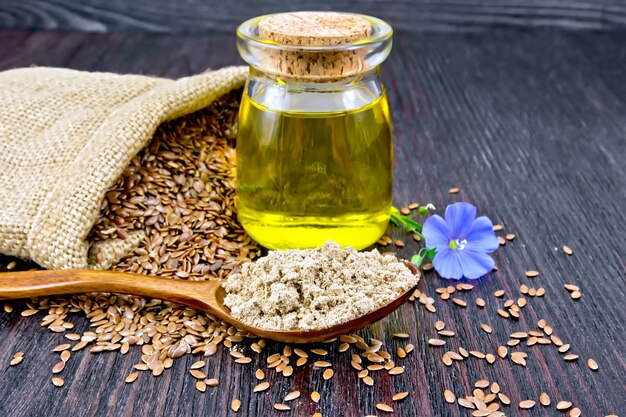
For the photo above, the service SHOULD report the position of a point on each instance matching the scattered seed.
(544, 399)
(567, 250)
(480, 302)
(465, 403)
(510, 236)
(576, 295)
(131, 377)
(62, 347)
(302, 353)
(490, 358)
(235, 405)
(201, 386)
(477, 354)
(400, 352)
(570, 357)
(384, 407)
(518, 359)
(28, 312)
(440, 325)
(453, 190)
(459, 302)
(197, 374)
(572, 287)
(436, 342)
(449, 396)
(563, 405)
(58, 382)
(315, 396)
(261, 387)
(532, 273)
(486, 328)
(526, 404)
(198, 365)
(481, 383)
(499, 293)
(58, 368)
(367, 380)
(400, 396)
(328, 373)
(212, 382)
(259, 374)
(574, 412)
(292, 396)
(502, 351)
(16, 360)
(446, 333)
(593, 365)
(282, 407)
(396, 370)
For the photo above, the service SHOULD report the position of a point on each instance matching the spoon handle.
(44, 283)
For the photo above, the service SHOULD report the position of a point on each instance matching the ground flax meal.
(314, 288)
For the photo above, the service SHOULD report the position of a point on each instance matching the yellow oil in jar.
(304, 178)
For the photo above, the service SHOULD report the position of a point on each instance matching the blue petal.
(475, 264)
(481, 237)
(436, 233)
(459, 217)
(447, 264)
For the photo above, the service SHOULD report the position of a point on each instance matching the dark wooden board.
(529, 124)
(202, 16)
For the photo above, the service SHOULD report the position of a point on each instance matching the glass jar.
(314, 142)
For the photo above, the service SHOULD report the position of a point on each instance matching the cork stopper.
(311, 29)
(314, 28)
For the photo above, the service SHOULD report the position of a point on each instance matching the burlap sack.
(65, 137)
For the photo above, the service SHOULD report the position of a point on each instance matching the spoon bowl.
(207, 296)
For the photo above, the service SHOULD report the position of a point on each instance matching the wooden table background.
(530, 123)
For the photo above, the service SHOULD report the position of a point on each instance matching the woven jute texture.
(65, 137)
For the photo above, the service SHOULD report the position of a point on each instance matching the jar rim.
(381, 31)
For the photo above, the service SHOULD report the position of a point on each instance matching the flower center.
(456, 244)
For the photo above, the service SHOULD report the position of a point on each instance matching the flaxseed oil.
(304, 178)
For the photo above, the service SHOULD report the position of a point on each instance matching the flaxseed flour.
(314, 288)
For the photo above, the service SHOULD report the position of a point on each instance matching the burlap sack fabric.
(65, 137)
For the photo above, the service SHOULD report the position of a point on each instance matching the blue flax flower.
(461, 242)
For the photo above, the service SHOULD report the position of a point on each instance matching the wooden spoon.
(207, 296)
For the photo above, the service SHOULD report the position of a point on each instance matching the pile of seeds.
(180, 191)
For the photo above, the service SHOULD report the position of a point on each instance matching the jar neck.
(349, 93)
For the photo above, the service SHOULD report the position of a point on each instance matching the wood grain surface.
(529, 124)
(202, 16)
